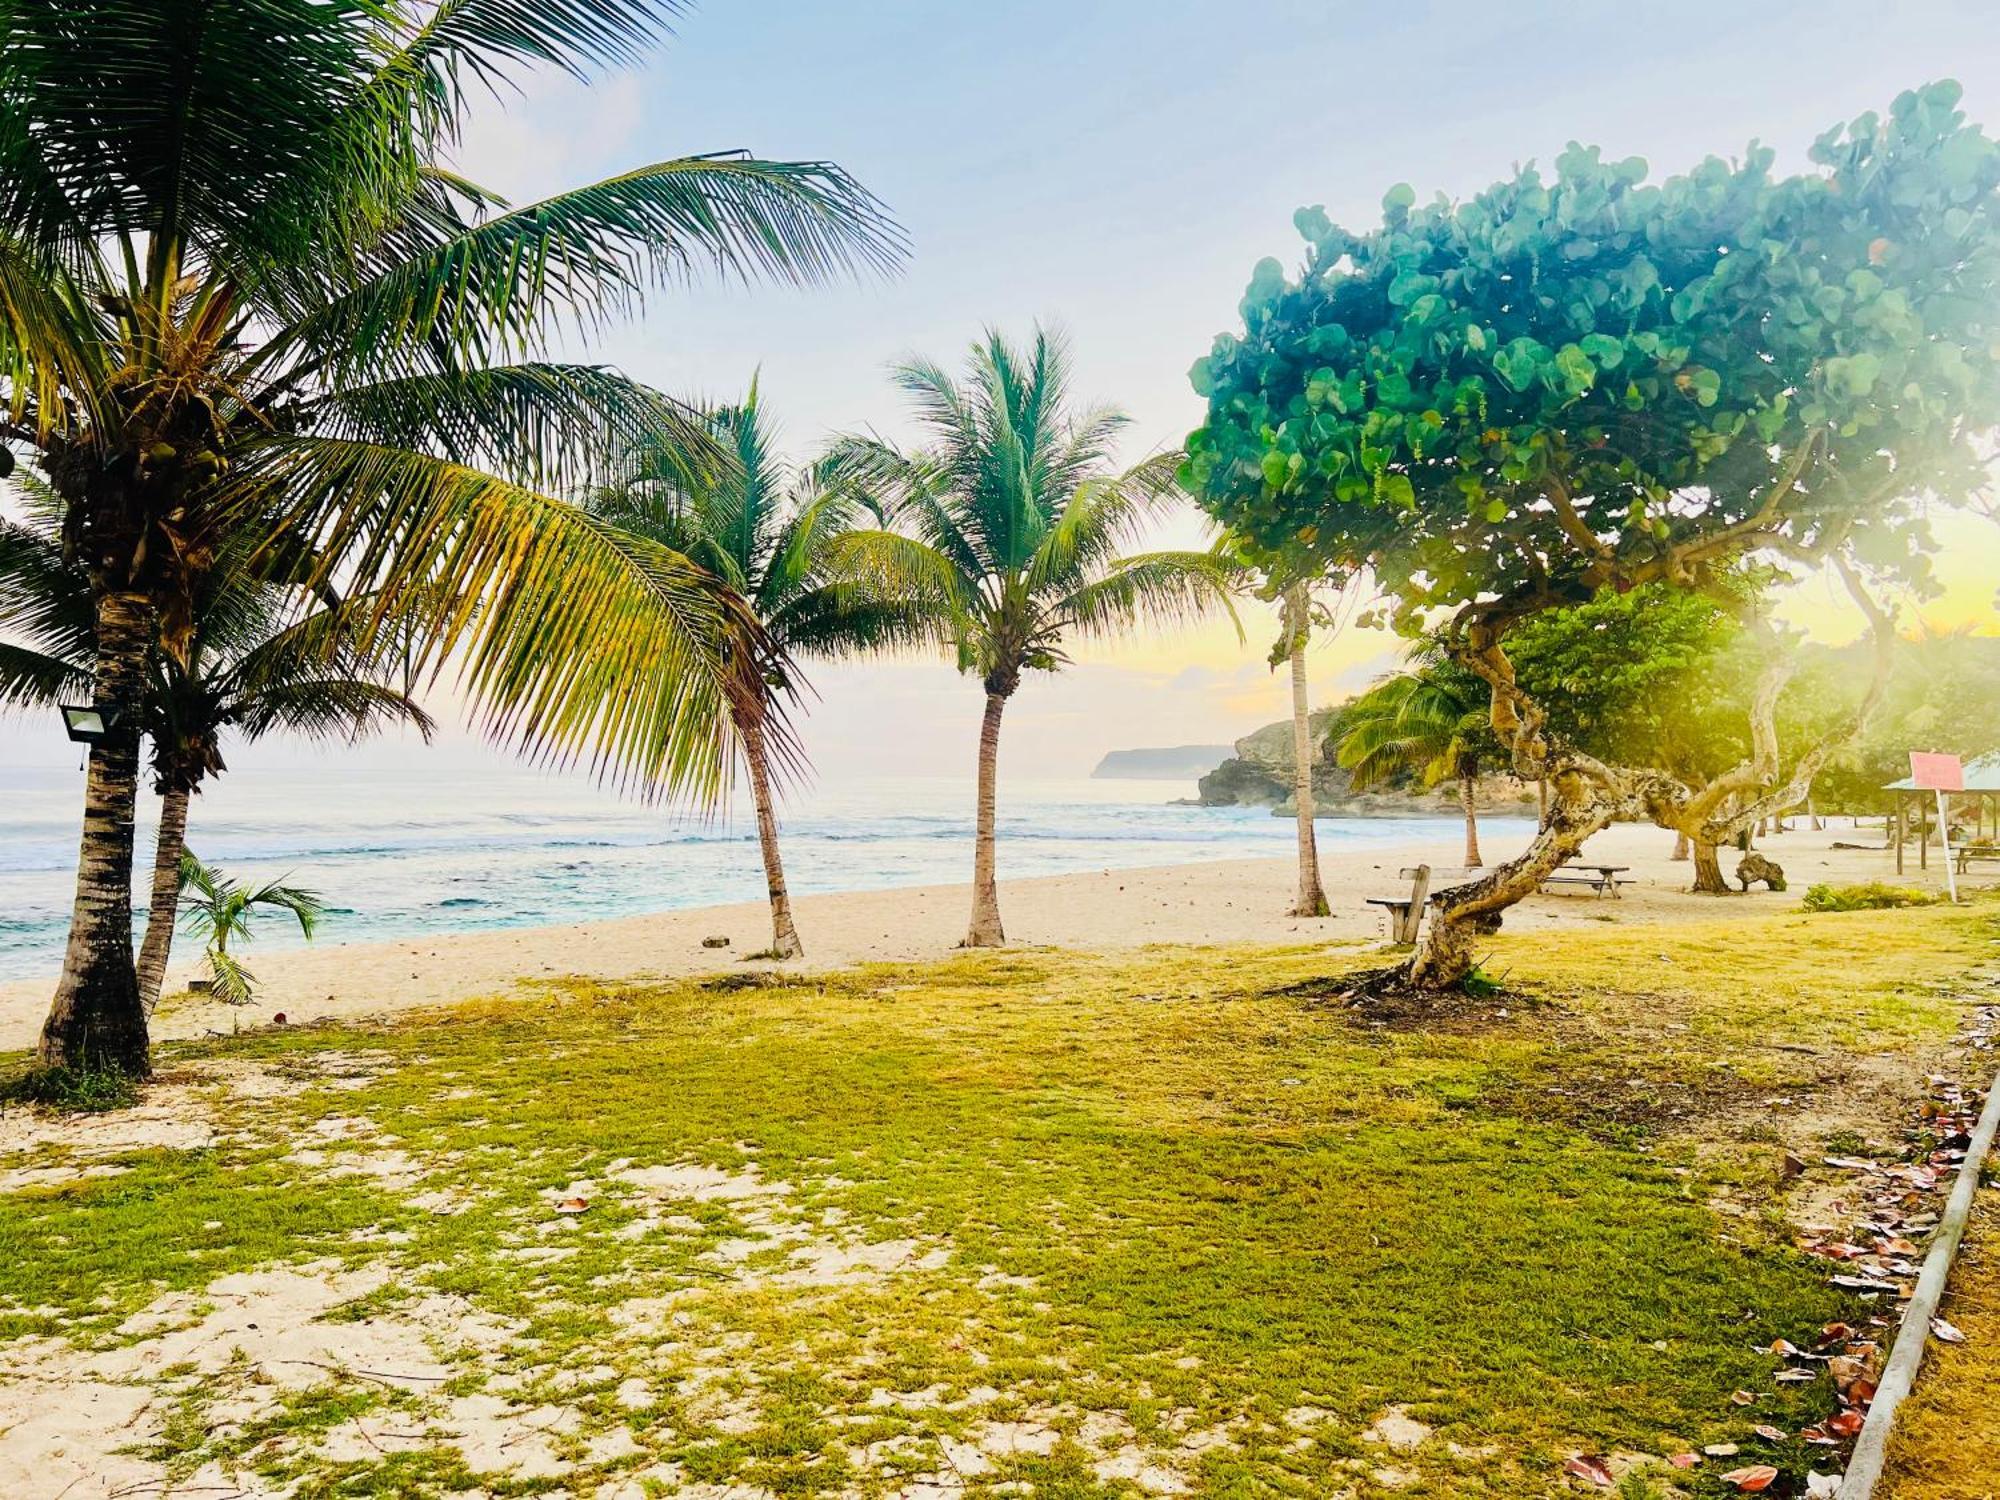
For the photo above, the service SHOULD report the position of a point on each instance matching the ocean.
(410, 851)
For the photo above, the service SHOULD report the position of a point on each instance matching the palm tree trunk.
(784, 936)
(96, 1020)
(1311, 900)
(166, 896)
(1468, 788)
(985, 930)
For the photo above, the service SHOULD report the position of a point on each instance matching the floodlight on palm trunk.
(87, 724)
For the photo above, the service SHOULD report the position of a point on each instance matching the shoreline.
(1213, 902)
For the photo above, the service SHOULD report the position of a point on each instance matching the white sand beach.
(1224, 901)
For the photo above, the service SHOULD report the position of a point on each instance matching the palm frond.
(1159, 588)
(1102, 516)
(51, 342)
(34, 679)
(501, 286)
(542, 424)
(575, 637)
(44, 597)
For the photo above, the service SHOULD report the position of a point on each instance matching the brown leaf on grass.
(1845, 1424)
(1947, 1332)
(1750, 1481)
(1595, 1470)
(1721, 1450)
(1833, 1334)
(1795, 1377)
(1769, 1433)
(1784, 1348)
(1742, 1398)
(572, 1205)
(1819, 1436)
(1685, 1460)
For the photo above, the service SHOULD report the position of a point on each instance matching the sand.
(1225, 901)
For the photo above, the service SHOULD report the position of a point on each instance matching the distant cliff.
(1173, 762)
(1259, 774)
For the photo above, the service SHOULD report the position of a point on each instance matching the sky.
(1116, 167)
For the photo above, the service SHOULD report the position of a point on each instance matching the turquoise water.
(434, 850)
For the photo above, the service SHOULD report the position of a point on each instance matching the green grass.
(1175, 1192)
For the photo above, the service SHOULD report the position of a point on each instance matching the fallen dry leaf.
(1595, 1470)
(1845, 1424)
(572, 1205)
(1769, 1433)
(1742, 1398)
(1750, 1481)
(1685, 1460)
(1947, 1332)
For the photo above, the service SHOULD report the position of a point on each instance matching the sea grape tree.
(1591, 382)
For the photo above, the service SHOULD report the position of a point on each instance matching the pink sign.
(1942, 773)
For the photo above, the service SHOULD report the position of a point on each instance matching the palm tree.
(221, 911)
(263, 657)
(240, 294)
(771, 532)
(1008, 530)
(1299, 614)
(1428, 722)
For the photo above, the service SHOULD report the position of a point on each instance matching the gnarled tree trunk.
(166, 901)
(756, 754)
(96, 1020)
(1468, 801)
(985, 930)
(1708, 876)
(1682, 845)
(1311, 900)
(1471, 912)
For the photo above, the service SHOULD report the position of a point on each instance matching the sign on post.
(1940, 774)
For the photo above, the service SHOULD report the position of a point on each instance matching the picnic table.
(1967, 853)
(1605, 879)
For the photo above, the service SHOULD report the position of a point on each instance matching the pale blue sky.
(1118, 166)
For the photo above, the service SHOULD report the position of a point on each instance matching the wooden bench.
(1406, 913)
(1604, 879)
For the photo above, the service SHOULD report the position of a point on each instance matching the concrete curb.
(1864, 1469)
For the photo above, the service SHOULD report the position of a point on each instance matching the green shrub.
(72, 1090)
(1874, 896)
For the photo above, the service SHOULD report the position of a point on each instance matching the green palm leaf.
(498, 287)
(573, 635)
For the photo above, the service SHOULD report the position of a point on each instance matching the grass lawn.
(1947, 1444)
(1165, 1222)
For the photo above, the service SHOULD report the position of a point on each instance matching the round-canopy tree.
(240, 288)
(1508, 405)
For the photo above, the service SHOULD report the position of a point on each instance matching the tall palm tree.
(1428, 722)
(1008, 529)
(241, 292)
(263, 657)
(771, 532)
(1300, 613)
